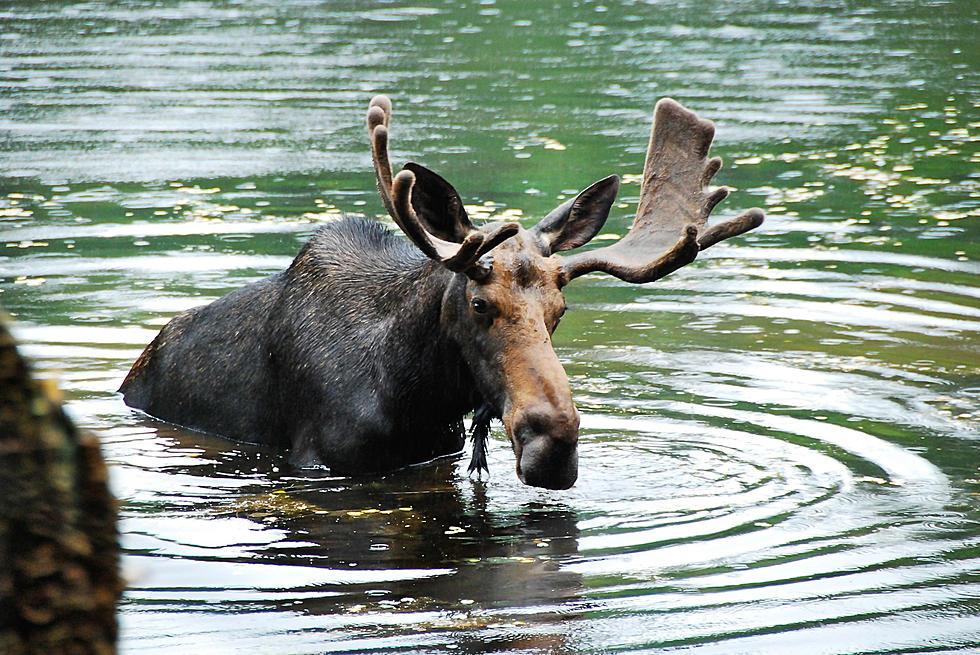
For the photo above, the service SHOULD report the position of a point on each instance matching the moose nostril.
(538, 422)
(549, 421)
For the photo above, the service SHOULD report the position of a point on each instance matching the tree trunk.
(59, 549)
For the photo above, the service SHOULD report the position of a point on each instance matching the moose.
(368, 351)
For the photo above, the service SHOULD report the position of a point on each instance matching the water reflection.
(684, 523)
(422, 543)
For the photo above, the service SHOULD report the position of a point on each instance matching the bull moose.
(367, 352)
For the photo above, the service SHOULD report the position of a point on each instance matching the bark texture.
(59, 548)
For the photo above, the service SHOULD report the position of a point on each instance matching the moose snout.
(546, 445)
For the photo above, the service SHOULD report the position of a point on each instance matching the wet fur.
(339, 359)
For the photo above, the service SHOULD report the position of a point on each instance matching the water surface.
(779, 450)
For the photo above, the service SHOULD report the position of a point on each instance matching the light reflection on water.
(779, 445)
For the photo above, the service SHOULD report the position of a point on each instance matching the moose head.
(504, 299)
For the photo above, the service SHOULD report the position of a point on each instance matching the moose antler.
(670, 227)
(426, 207)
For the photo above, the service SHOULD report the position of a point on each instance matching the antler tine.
(396, 195)
(383, 103)
(378, 117)
(670, 227)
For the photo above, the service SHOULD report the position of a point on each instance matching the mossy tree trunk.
(59, 551)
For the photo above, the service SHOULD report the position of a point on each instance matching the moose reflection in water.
(413, 541)
(367, 352)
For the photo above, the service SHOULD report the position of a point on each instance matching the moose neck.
(439, 385)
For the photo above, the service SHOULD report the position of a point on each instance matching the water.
(779, 450)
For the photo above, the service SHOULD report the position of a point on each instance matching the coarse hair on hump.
(374, 248)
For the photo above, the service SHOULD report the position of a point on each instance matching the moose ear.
(438, 205)
(576, 221)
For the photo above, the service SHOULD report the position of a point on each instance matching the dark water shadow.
(424, 541)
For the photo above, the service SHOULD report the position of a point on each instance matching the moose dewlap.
(367, 352)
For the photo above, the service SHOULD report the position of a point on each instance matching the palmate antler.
(670, 227)
(426, 207)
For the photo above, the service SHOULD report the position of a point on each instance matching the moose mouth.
(547, 455)
(548, 463)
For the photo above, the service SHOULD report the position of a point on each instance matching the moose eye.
(480, 306)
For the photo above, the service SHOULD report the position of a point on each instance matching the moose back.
(367, 352)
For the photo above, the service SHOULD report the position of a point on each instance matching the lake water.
(780, 447)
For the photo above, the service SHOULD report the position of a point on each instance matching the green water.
(779, 450)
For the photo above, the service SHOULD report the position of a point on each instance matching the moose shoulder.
(367, 352)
